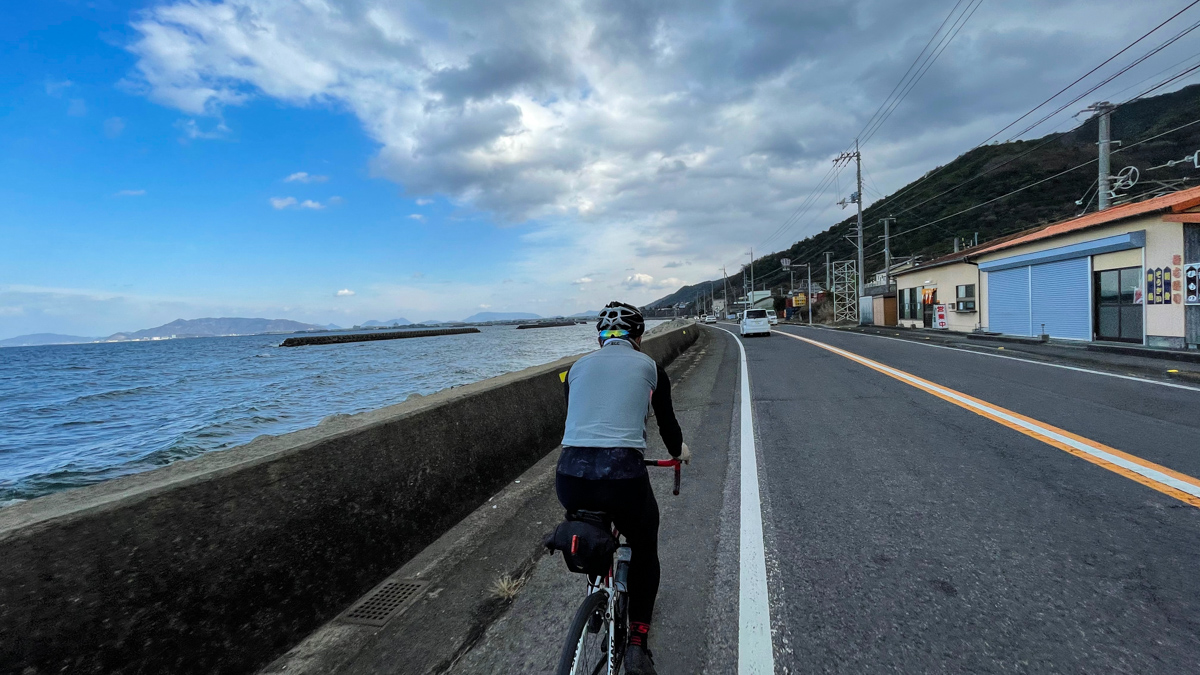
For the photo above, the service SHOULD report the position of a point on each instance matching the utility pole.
(1103, 110)
(828, 267)
(808, 294)
(725, 285)
(887, 253)
(750, 298)
(857, 199)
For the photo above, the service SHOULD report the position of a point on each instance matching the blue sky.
(466, 156)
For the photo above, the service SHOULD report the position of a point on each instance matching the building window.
(910, 307)
(965, 298)
(1118, 305)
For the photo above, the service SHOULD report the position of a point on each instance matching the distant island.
(234, 326)
(38, 339)
(179, 328)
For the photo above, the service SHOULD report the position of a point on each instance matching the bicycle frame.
(615, 588)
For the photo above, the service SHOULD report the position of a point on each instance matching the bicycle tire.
(579, 624)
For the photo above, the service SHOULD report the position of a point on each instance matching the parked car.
(772, 318)
(755, 322)
(710, 318)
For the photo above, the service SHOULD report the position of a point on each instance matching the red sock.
(639, 633)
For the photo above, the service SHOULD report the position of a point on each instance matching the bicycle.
(600, 628)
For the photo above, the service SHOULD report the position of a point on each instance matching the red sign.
(939, 317)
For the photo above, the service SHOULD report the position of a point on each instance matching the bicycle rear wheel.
(586, 648)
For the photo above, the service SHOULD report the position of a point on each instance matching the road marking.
(1167, 481)
(1017, 358)
(755, 654)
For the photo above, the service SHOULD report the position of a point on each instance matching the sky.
(335, 161)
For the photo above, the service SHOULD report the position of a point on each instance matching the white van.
(755, 322)
(772, 318)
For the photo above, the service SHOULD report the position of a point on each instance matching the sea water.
(72, 415)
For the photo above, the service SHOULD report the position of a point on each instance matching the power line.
(1108, 79)
(1050, 139)
(1032, 110)
(1048, 178)
(904, 77)
(1081, 78)
(968, 12)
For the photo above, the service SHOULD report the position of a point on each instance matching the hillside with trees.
(970, 197)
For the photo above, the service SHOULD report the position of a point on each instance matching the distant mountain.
(35, 339)
(585, 315)
(393, 322)
(210, 327)
(331, 326)
(499, 316)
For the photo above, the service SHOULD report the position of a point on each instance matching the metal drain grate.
(385, 602)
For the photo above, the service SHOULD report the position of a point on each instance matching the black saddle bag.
(586, 541)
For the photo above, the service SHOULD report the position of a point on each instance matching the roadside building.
(1122, 274)
(1115, 275)
(951, 280)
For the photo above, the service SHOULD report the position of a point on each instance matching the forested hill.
(994, 171)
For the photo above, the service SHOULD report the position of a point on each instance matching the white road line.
(755, 654)
(1017, 358)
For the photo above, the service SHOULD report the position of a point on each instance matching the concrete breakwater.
(366, 337)
(546, 324)
(221, 563)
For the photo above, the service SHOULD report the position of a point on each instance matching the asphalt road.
(908, 534)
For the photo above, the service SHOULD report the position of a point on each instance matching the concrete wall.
(218, 564)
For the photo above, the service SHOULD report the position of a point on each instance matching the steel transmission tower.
(855, 198)
(845, 292)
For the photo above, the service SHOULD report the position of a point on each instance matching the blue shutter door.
(1061, 299)
(1008, 301)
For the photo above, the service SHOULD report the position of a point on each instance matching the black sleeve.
(668, 426)
(567, 388)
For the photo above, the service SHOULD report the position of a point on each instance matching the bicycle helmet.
(620, 320)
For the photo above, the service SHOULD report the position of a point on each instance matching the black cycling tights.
(631, 504)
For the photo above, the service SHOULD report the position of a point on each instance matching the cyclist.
(601, 467)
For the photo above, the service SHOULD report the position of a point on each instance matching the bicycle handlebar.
(667, 462)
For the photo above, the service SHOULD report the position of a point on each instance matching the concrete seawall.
(221, 563)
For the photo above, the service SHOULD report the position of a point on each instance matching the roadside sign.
(785, 262)
(939, 317)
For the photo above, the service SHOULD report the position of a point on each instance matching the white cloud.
(282, 202)
(582, 280)
(305, 177)
(130, 193)
(310, 204)
(192, 130)
(639, 280)
(345, 292)
(424, 202)
(484, 306)
(113, 127)
(57, 88)
(636, 134)
(417, 216)
(77, 108)
(335, 200)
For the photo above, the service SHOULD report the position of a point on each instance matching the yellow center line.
(1181, 486)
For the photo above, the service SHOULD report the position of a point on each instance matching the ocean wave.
(111, 394)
